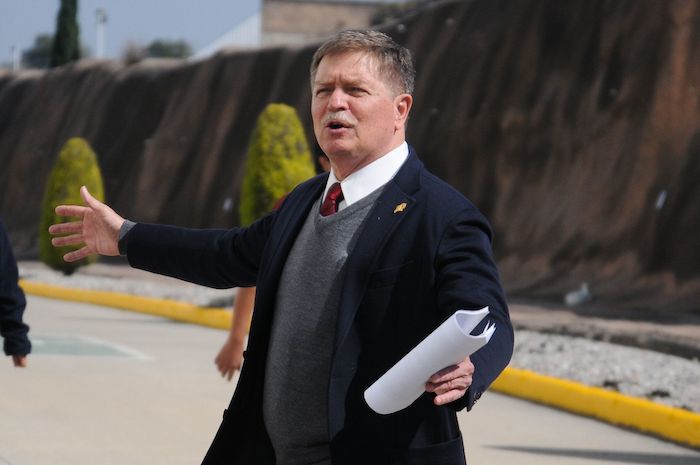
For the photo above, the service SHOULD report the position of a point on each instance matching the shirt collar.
(370, 178)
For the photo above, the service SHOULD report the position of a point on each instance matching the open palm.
(98, 228)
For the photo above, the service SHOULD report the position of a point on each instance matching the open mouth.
(337, 125)
(338, 121)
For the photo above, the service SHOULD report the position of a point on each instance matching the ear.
(402, 106)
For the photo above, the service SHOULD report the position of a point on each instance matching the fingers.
(451, 383)
(448, 397)
(72, 239)
(443, 375)
(64, 228)
(77, 210)
(77, 254)
(227, 371)
(71, 210)
(19, 360)
(449, 391)
(67, 240)
(464, 368)
(460, 383)
(226, 367)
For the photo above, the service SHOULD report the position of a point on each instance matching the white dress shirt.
(370, 178)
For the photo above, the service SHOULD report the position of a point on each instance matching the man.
(12, 303)
(353, 270)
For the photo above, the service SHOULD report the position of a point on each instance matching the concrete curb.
(180, 311)
(670, 423)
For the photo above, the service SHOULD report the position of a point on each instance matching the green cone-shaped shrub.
(278, 159)
(76, 166)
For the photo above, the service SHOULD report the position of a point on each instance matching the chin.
(336, 150)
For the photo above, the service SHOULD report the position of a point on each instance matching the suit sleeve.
(213, 258)
(12, 302)
(467, 278)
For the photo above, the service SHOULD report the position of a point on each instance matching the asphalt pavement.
(106, 386)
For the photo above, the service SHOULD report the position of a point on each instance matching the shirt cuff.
(123, 237)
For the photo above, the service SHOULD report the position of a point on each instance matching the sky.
(198, 22)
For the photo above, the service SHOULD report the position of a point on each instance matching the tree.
(66, 44)
(76, 166)
(39, 55)
(161, 48)
(278, 160)
(133, 53)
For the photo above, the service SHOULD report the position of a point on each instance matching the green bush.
(76, 166)
(278, 159)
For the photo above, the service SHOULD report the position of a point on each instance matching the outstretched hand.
(451, 383)
(97, 228)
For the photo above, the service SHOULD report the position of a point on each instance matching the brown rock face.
(575, 126)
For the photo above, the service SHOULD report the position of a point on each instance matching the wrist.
(236, 339)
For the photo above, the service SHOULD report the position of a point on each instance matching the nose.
(338, 100)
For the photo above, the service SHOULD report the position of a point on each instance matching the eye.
(322, 91)
(357, 91)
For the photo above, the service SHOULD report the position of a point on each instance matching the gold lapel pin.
(400, 208)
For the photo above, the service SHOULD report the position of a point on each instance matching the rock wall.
(575, 126)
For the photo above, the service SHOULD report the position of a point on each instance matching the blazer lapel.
(292, 217)
(393, 205)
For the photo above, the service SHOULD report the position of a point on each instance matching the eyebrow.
(348, 82)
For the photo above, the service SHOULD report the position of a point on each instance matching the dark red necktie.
(333, 198)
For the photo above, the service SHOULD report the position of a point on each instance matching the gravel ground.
(660, 377)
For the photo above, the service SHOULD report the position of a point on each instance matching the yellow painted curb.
(670, 423)
(667, 422)
(181, 311)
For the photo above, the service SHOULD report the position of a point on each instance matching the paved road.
(111, 387)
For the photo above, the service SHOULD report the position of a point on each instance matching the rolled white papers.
(448, 345)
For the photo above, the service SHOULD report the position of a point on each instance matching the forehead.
(352, 66)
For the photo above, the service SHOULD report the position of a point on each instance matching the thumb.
(89, 200)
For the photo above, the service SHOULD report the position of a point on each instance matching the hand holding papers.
(448, 345)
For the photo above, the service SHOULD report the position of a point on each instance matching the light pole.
(14, 52)
(101, 17)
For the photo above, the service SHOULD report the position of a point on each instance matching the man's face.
(357, 118)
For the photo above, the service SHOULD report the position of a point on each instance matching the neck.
(343, 170)
(344, 165)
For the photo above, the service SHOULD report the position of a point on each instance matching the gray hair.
(394, 61)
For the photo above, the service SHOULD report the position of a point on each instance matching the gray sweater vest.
(295, 399)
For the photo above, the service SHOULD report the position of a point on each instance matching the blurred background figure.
(278, 158)
(12, 303)
(230, 356)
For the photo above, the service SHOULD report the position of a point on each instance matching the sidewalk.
(668, 422)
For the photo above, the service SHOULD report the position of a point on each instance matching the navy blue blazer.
(411, 269)
(12, 302)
